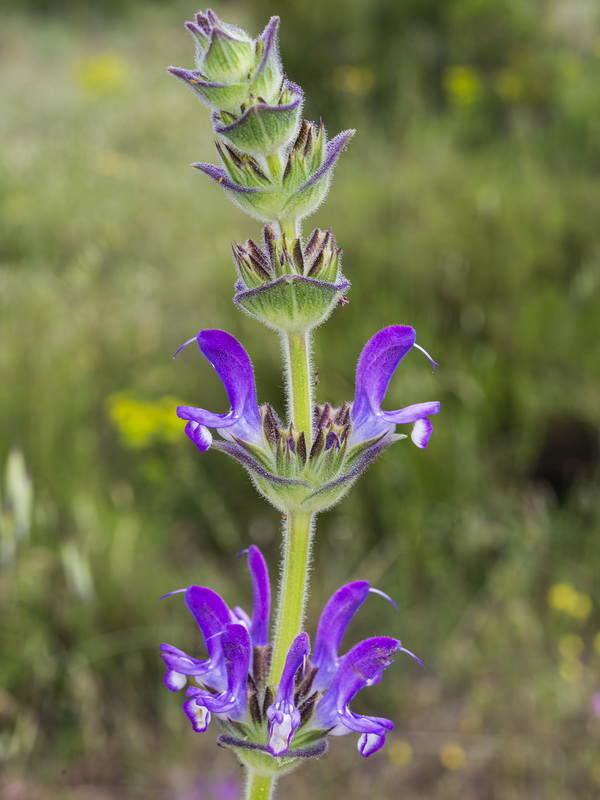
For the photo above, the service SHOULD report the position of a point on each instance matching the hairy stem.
(291, 229)
(299, 381)
(259, 787)
(293, 589)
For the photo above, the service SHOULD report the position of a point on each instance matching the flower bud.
(242, 169)
(231, 67)
(285, 286)
(224, 53)
(262, 129)
(267, 78)
(303, 186)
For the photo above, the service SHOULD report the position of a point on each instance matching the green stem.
(299, 381)
(293, 588)
(259, 787)
(290, 228)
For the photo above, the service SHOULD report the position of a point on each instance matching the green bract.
(262, 129)
(232, 68)
(288, 287)
(291, 193)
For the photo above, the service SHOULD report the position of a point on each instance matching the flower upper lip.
(232, 364)
(376, 365)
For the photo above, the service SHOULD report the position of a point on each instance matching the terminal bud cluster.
(275, 166)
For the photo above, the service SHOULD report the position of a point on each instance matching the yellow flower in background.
(570, 646)
(143, 422)
(571, 670)
(562, 597)
(102, 74)
(452, 756)
(355, 80)
(400, 752)
(462, 84)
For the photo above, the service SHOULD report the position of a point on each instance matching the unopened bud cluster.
(274, 166)
(287, 286)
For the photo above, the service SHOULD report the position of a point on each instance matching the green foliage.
(112, 254)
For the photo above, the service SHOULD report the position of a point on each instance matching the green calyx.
(232, 69)
(261, 129)
(289, 287)
(295, 474)
(290, 193)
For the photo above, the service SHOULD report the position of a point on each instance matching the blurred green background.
(467, 205)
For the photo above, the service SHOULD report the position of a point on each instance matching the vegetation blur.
(467, 205)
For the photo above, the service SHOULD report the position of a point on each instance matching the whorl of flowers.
(292, 720)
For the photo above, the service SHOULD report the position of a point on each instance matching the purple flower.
(345, 441)
(314, 694)
(284, 718)
(232, 364)
(376, 365)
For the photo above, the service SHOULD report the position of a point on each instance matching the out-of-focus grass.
(112, 254)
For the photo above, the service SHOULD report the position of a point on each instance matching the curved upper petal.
(362, 666)
(233, 701)
(261, 594)
(212, 614)
(283, 716)
(334, 620)
(233, 366)
(376, 365)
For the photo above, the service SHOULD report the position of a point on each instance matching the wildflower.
(312, 700)
(290, 471)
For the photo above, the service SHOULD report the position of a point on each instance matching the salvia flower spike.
(312, 700)
(278, 700)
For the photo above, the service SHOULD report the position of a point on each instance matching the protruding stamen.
(434, 364)
(179, 349)
(412, 655)
(175, 591)
(384, 595)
